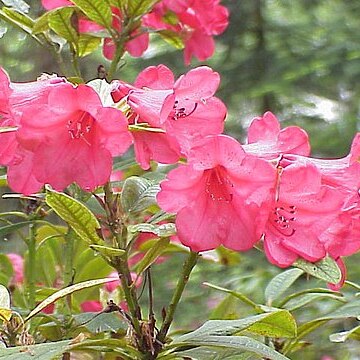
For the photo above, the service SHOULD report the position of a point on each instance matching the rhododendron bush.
(117, 178)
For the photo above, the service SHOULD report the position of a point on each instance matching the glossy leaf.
(230, 327)
(96, 10)
(305, 299)
(138, 194)
(67, 291)
(325, 269)
(280, 283)
(163, 230)
(354, 334)
(77, 215)
(238, 342)
(46, 351)
(135, 8)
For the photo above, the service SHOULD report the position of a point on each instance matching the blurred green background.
(299, 59)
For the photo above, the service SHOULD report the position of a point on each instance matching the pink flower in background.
(266, 139)
(302, 211)
(79, 134)
(53, 4)
(221, 196)
(197, 23)
(91, 306)
(185, 111)
(17, 263)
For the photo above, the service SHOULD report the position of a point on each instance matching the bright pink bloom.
(302, 211)
(198, 22)
(91, 306)
(265, 138)
(17, 263)
(53, 4)
(185, 111)
(79, 134)
(221, 196)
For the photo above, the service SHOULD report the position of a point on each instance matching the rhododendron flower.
(14, 97)
(91, 306)
(17, 263)
(53, 4)
(79, 134)
(303, 209)
(221, 196)
(185, 111)
(265, 138)
(198, 22)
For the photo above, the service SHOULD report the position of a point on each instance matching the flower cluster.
(194, 21)
(268, 190)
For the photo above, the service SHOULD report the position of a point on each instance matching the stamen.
(283, 220)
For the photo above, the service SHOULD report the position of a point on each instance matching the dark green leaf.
(280, 283)
(7, 229)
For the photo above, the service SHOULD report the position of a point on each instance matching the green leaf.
(17, 19)
(325, 269)
(163, 230)
(280, 283)
(280, 324)
(41, 24)
(60, 23)
(47, 351)
(87, 44)
(305, 299)
(96, 10)
(230, 327)
(151, 256)
(67, 291)
(7, 229)
(236, 294)
(7, 129)
(77, 215)
(138, 194)
(345, 335)
(215, 353)
(97, 323)
(134, 8)
(108, 251)
(172, 38)
(239, 342)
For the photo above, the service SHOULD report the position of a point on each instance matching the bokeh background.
(299, 59)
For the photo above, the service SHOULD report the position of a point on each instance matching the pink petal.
(155, 77)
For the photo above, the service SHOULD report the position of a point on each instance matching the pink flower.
(198, 22)
(265, 138)
(53, 4)
(79, 134)
(221, 196)
(17, 263)
(302, 211)
(185, 111)
(91, 306)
